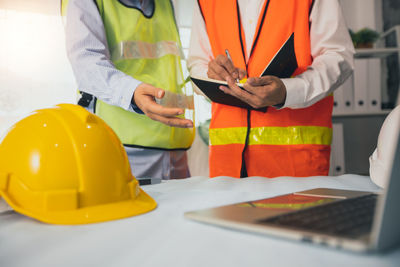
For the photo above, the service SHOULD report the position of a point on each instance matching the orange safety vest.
(286, 142)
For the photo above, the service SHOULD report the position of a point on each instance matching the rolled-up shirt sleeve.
(88, 53)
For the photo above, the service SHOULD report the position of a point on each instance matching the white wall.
(34, 70)
(362, 13)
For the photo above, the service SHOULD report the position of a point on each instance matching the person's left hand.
(259, 91)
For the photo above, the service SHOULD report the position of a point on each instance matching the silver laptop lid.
(386, 230)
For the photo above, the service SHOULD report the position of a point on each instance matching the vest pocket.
(311, 160)
(288, 160)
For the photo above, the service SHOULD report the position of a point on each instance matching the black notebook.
(282, 65)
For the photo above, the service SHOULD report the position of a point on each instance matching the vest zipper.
(243, 169)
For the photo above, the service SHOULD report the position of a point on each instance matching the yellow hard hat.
(64, 165)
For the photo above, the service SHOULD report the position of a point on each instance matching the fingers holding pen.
(227, 63)
(220, 67)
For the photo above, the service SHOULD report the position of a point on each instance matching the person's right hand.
(221, 67)
(144, 98)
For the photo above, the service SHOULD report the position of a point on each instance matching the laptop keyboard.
(347, 218)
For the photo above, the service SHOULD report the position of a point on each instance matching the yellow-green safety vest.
(149, 50)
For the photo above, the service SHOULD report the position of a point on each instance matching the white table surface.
(164, 237)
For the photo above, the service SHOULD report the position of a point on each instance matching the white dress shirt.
(331, 48)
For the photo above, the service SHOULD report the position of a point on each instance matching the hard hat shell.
(64, 165)
(381, 159)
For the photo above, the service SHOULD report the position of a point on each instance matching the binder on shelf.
(361, 85)
(374, 84)
(348, 94)
(337, 161)
(344, 96)
(338, 100)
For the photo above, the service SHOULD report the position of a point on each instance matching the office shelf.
(376, 52)
(361, 126)
(354, 113)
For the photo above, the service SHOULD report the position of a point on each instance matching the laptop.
(344, 219)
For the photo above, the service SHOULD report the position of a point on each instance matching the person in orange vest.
(293, 137)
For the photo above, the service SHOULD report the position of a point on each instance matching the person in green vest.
(127, 55)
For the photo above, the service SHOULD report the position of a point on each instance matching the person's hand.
(222, 67)
(259, 91)
(144, 98)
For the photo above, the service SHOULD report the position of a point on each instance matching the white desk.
(164, 237)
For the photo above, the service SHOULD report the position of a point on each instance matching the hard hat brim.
(141, 204)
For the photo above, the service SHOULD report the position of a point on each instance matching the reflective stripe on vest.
(149, 50)
(286, 142)
(138, 49)
(293, 135)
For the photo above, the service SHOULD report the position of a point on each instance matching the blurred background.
(34, 69)
(35, 73)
